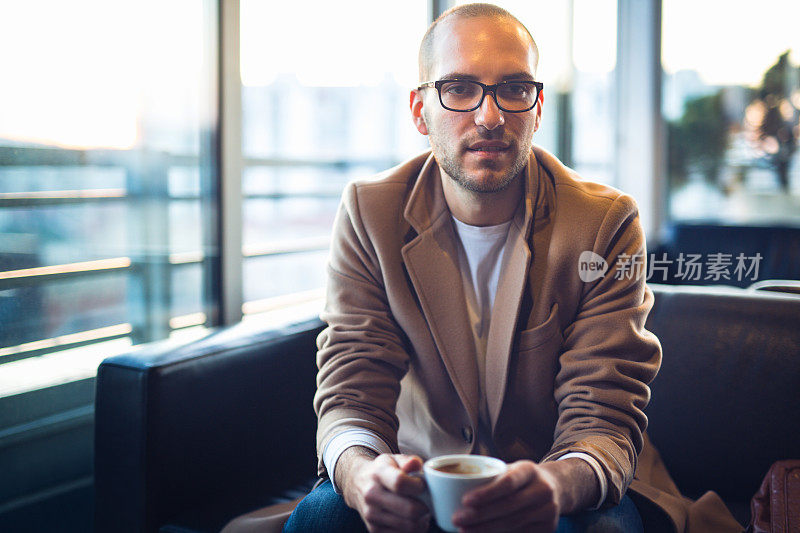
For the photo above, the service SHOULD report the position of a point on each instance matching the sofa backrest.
(726, 402)
(211, 422)
(778, 248)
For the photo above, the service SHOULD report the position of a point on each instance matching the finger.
(532, 496)
(518, 475)
(403, 506)
(380, 518)
(376, 519)
(424, 523)
(386, 459)
(541, 517)
(536, 501)
(395, 480)
(408, 463)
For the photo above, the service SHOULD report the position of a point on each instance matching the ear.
(416, 104)
(539, 105)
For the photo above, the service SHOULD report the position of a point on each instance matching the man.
(458, 322)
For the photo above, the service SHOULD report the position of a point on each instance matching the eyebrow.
(463, 76)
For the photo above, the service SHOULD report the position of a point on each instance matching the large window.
(109, 210)
(324, 101)
(107, 175)
(732, 105)
(109, 203)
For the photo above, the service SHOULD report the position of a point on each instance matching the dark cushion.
(726, 403)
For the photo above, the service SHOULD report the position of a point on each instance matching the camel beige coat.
(568, 362)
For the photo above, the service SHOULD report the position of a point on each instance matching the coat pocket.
(538, 335)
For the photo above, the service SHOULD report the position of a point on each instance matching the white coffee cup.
(449, 477)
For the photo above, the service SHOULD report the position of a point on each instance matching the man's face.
(485, 149)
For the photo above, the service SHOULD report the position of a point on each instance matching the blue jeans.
(325, 511)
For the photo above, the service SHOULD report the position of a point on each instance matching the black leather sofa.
(190, 436)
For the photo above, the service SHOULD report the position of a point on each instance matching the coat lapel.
(431, 259)
(513, 279)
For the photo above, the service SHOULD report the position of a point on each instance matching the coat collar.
(426, 202)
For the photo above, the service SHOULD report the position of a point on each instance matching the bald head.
(465, 11)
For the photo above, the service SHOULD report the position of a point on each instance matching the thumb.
(409, 463)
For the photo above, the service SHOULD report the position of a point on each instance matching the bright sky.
(729, 42)
(77, 73)
(341, 43)
(593, 48)
(81, 72)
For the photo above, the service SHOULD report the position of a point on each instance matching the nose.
(488, 114)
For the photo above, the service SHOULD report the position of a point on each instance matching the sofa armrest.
(221, 422)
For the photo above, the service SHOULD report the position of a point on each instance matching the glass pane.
(186, 226)
(19, 179)
(732, 105)
(61, 234)
(106, 169)
(285, 220)
(278, 275)
(330, 107)
(594, 54)
(186, 298)
(31, 313)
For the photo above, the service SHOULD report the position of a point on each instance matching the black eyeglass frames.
(513, 96)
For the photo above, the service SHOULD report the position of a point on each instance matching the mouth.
(488, 148)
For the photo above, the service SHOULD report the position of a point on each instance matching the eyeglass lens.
(463, 95)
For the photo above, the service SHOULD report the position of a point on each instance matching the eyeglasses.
(513, 96)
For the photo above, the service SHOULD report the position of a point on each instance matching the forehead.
(486, 47)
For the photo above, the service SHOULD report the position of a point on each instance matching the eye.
(460, 88)
(515, 90)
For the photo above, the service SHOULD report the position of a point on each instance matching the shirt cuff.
(598, 470)
(346, 439)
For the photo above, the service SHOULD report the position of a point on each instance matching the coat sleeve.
(608, 356)
(361, 355)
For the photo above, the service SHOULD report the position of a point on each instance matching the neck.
(483, 208)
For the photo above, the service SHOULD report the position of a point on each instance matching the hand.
(383, 492)
(525, 498)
